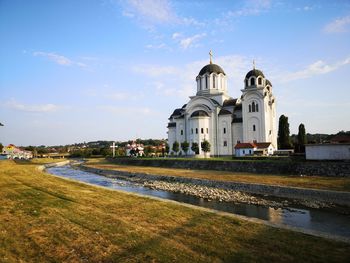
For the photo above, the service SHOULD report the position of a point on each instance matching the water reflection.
(304, 218)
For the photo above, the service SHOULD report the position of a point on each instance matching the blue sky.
(74, 71)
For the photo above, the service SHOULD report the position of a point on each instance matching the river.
(310, 219)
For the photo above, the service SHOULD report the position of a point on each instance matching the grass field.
(48, 219)
(316, 182)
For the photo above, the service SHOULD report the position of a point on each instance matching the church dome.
(254, 73)
(211, 68)
(268, 83)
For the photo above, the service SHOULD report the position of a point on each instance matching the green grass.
(314, 182)
(48, 219)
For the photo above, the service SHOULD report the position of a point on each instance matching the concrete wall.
(327, 151)
(261, 167)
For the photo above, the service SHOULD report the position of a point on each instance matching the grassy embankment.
(48, 219)
(316, 182)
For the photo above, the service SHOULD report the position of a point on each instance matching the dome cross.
(211, 57)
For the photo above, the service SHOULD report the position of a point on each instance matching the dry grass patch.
(48, 219)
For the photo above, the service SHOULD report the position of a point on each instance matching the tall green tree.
(185, 146)
(302, 140)
(1, 147)
(195, 147)
(176, 147)
(283, 133)
(205, 146)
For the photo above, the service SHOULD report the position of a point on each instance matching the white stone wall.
(327, 151)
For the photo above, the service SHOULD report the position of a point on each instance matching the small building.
(339, 151)
(134, 149)
(255, 148)
(244, 149)
(13, 152)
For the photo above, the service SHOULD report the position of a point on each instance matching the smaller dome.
(254, 73)
(199, 113)
(211, 68)
(268, 83)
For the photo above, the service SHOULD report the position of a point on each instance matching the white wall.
(327, 151)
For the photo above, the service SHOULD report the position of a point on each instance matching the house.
(255, 148)
(244, 149)
(13, 152)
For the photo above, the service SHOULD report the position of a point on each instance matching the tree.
(283, 133)
(167, 148)
(302, 140)
(185, 146)
(205, 146)
(195, 147)
(176, 147)
(1, 147)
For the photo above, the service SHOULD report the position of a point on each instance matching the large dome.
(254, 73)
(211, 68)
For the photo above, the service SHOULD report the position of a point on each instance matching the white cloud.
(339, 25)
(13, 104)
(251, 7)
(59, 59)
(159, 46)
(176, 35)
(154, 10)
(191, 41)
(317, 68)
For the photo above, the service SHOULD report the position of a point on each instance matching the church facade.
(214, 116)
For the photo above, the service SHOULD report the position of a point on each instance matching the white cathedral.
(225, 122)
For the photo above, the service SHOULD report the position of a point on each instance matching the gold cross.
(211, 57)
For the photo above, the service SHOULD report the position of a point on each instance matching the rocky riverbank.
(222, 195)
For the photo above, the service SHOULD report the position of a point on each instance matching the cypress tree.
(184, 146)
(302, 140)
(283, 133)
(175, 147)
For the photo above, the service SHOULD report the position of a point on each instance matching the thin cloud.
(339, 25)
(13, 104)
(192, 41)
(153, 10)
(123, 110)
(317, 68)
(58, 59)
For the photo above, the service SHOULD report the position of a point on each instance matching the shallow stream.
(310, 219)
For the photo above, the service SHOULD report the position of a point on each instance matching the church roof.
(238, 107)
(229, 102)
(254, 73)
(199, 113)
(237, 120)
(268, 83)
(211, 68)
(171, 124)
(177, 112)
(224, 112)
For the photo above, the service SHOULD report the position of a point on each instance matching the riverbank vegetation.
(315, 182)
(44, 218)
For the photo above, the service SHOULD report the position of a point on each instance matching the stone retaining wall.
(317, 168)
(335, 197)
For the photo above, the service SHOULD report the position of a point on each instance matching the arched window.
(196, 130)
(259, 81)
(224, 130)
(254, 127)
(250, 108)
(214, 82)
(253, 106)
(182, 132)
(206, 82)
(207, 130)
(191, 131)
(202, 130)
(256, 108)
(252, 81)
